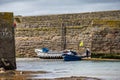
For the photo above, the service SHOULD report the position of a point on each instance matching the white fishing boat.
(44, 53)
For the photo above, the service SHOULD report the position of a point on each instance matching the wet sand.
(19, 75)
(28, 75)
(100, 59)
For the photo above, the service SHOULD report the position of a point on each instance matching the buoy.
(14, 25)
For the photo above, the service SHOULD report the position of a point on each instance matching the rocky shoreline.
(29, 75)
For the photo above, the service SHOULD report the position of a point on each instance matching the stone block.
(7, 42)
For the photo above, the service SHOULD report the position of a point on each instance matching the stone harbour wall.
(108, 39)
(46, 31)
(7, 41)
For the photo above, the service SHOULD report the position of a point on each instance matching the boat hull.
(71, 58)
(48, 55)
(51, 57)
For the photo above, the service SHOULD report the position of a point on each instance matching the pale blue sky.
(44, 7)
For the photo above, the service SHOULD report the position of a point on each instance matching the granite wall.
(46, 31)
(106, 40)
(7, 41)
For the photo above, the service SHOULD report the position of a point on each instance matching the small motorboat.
(45, 53)
(70, 56)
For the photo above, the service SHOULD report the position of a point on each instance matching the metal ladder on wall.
(63, 36)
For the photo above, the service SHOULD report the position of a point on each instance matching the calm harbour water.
(106, 70)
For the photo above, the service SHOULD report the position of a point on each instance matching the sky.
(48, 7)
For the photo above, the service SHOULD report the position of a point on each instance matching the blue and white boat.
(45, 53)
(70, 56)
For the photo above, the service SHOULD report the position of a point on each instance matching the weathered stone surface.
(7, 42)
(108, 43)
(91, 28)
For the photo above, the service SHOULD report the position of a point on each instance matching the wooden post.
(7, 41)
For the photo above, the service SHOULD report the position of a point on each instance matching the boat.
(71, 56)
(45, 53)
